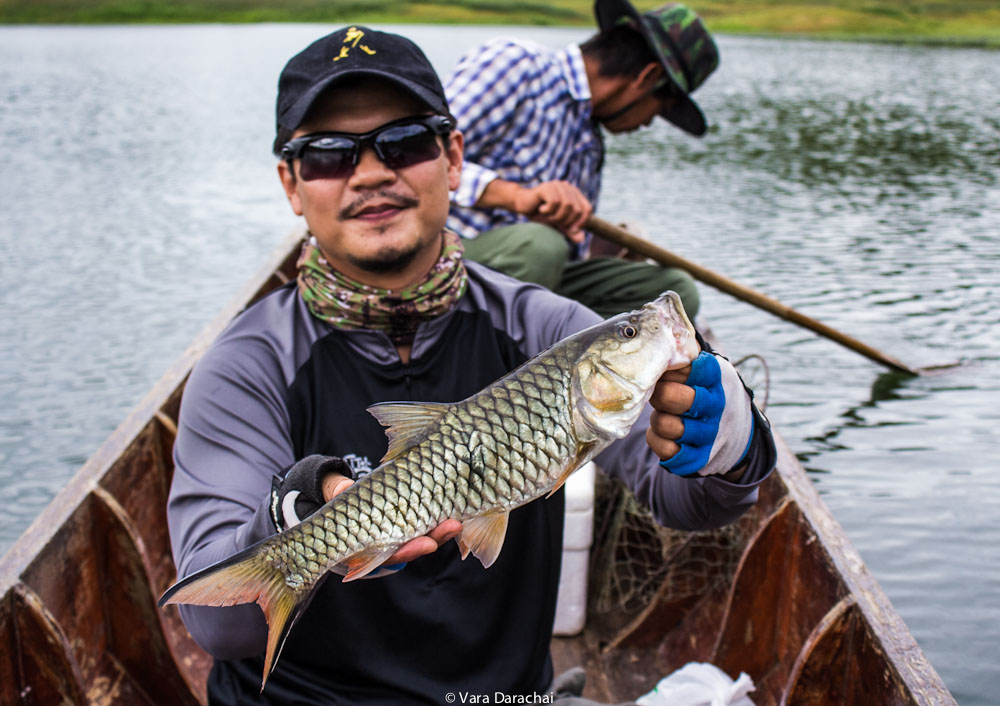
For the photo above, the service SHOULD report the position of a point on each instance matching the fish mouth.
(671, 311)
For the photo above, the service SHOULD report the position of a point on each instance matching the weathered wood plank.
(47, 670)
(135, 634)
(820, 673)
(891, 641)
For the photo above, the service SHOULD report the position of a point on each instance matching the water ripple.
(856, 183)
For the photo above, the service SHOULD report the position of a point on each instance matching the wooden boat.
(781, 595)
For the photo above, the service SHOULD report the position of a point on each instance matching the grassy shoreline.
(967, 23)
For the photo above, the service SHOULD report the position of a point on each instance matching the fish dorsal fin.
(404, 421)
(483, 536)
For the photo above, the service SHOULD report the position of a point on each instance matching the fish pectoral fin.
(483, 536)
(582, 456)
(562, 481)
(365, 562)
(404, 422)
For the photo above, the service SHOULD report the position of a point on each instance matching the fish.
(516, 440)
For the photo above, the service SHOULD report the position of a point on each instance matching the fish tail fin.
(245, 578)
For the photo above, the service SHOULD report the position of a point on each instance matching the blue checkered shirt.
(525, 112)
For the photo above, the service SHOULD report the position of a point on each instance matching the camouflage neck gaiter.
(347, 304)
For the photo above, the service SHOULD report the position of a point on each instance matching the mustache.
(359, 204)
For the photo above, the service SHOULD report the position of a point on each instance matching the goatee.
(388, 260)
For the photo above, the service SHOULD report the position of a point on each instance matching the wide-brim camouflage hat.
(683, 44)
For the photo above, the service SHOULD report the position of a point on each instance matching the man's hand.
(558, 204)
(671, 398)
(701, 421)
(334, 484)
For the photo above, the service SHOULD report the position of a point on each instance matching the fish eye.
(628, 330)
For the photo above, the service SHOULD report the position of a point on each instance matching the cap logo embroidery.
(353, 37)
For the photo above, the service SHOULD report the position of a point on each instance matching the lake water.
(857, 183)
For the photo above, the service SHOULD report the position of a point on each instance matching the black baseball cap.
(352, 52)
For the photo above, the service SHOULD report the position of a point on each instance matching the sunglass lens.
(406, 145)
(328, 158)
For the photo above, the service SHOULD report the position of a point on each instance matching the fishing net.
(634, 559)
(755, 373)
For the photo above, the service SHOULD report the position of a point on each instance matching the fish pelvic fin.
(245, 578)
(365, 562)
(405, 421)
(483, 536)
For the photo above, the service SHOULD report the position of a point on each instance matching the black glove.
(300, 493)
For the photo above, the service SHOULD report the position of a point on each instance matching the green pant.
(533, 252)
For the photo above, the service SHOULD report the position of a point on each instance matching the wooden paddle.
(622, 237)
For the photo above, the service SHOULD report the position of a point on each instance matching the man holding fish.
(509, 388)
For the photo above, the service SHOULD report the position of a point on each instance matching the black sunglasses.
(401, 143)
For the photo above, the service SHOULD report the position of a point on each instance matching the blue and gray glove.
(300, 493)
(718, 428)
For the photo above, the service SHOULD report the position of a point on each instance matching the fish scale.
(475, 460)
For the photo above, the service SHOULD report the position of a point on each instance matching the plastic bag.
(699, 684)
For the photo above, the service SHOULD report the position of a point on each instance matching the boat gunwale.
(886, 624)
(31, 544)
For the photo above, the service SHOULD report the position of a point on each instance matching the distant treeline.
(967, 22)
(550, 12)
